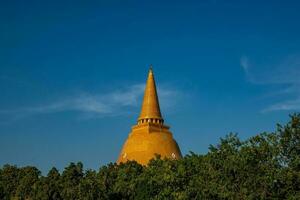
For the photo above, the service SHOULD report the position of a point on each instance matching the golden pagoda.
(149, 136)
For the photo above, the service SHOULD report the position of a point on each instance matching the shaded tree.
(28, 178)
(49, 187)
(265, 166)
(9, 181)
(70, 181)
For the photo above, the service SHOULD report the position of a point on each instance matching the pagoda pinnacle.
(150, 108)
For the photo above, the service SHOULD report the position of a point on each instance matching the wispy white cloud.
(286, 71)
(284, 74)
(285, 105)
(244, 63)
(117, 102)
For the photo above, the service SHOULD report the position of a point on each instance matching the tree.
(265, 166)
(9, 181)
(28, 178)
(89, 187)
(70, 181)
(290, 156)
(49, 187)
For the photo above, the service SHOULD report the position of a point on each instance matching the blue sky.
(72, 74)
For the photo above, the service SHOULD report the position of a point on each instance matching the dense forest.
(265, 166)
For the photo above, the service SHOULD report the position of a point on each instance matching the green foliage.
(29, 176)
(265, 166)
(9, 181)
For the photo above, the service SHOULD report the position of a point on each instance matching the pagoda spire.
(150, 111)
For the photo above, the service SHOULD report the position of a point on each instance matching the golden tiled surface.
(150, 136)
(150, 106)
(144, 142)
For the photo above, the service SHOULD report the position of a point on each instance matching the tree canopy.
(265, 166)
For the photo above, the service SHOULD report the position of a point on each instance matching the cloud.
(285, 71)
(283, 75)
(244, 63)
(286, 105)
(118, 102)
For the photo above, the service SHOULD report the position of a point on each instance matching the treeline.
(266, 166)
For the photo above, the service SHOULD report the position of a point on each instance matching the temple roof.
(150, 106)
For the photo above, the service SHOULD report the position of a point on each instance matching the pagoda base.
(147, 140)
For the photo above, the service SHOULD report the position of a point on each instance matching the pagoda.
(150, 136)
